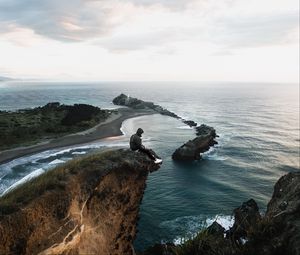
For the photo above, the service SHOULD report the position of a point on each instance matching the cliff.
(87, 206)
(275, 233)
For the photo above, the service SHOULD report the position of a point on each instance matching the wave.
(212, 154)
(27, 178)
(56, 161)
(78, 152)
(184, 127)
(189, 226)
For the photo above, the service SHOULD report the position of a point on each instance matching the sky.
(150, 40)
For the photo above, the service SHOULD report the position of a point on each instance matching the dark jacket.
(135, 142)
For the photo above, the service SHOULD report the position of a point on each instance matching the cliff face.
(275, 233)
(284, 210)
(88, 206)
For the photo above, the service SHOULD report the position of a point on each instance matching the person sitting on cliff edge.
(136, 145)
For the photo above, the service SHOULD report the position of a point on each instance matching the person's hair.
(140, 131)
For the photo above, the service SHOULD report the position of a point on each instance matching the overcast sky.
(186, 40)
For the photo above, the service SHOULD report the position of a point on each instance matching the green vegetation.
(29, 126)
(203, 243)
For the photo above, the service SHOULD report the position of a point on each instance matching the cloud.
(255, 31)
(74, 20)
(126, 25)
(59, 19)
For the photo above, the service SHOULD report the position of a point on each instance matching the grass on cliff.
(204, 243)
(54, 179)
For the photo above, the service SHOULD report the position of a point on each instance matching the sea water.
(258, 125)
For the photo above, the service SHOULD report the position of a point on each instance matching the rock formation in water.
(87, 206)
(275, 233)
(136, 103)
(191, 150)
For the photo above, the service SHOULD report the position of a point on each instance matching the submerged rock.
(87, 206)
(191, 150)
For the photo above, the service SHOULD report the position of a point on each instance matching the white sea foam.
(56, 161)
(212, 154)
(184, 127)
(78, 152)
(122, 130)
(226, 221)
(215, 157)
(191, 225)
(28, 177)
(60, 152)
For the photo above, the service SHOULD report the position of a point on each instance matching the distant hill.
(3, 78)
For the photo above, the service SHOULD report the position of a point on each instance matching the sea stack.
(191, 150)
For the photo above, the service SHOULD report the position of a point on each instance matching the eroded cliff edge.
(87, 206)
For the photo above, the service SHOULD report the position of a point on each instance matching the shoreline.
(109, 128)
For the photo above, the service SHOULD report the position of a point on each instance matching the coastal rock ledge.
(191, 150)
(87, 206)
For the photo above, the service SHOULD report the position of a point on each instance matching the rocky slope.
(87, 206)
(275, 233)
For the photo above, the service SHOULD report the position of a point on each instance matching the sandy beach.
(110, 127)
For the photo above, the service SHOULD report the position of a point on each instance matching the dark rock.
(136, 103)
(191, 150)
(159, 249)
(190, 123)
(284, 211)
(205, 130)
(245, 217)
(216, 229)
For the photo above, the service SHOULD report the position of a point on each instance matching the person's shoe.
(158, 161)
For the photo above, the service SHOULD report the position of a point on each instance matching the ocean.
(258, 128)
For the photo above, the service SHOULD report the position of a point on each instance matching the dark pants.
(150, 153)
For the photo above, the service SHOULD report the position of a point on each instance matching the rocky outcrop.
(283, 214)
(275, 233)
(191, 150)
(190, 123)
(87, 206)
(136, 103)
(245, 217)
